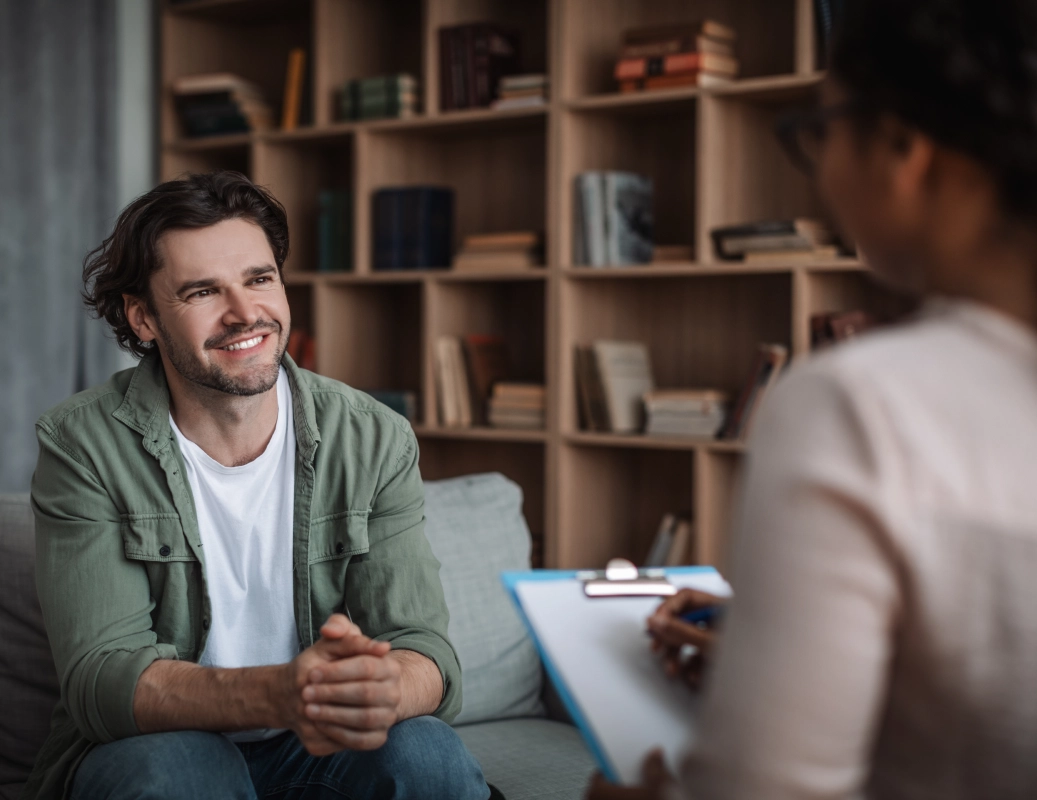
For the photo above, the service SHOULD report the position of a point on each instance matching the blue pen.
(703, 617)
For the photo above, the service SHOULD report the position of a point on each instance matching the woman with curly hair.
(882, 642)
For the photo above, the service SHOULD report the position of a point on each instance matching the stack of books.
(613, 219)
(220, 103)
(685, 412)
(472, 60)
(674, 542)
(673, 56)
(384, 97)
(468, 370)
(487, 252)
(770, 358)
(521, 91)
(612, 379)
(413, 227)
(517, 405)
(772, 240)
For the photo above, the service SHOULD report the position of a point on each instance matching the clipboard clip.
(622, 579)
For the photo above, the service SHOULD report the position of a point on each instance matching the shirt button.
(340, 548)
(205, 624)
(164, 550)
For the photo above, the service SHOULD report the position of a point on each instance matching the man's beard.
(261, 379)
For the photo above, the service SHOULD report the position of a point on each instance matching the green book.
(335, 231)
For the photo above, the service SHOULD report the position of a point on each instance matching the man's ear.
(139, 318)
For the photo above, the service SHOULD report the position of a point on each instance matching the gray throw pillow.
(476, 529)
(28, 683)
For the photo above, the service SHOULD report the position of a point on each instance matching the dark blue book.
(413, 227)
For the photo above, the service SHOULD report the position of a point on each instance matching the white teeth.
(245, 345)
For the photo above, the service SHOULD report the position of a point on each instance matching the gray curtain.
(57, 201)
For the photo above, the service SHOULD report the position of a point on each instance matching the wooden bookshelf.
(713, 158)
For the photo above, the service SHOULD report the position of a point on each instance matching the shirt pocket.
(339, 536)
(175, 578)
(334, 541)
(155, 537)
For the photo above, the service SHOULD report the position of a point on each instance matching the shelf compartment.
(241, 11)
(497, 174)
(300, 303)
(747, 176)
(700, 332)
(237, 156)
(513, 310)
(593, 31)
(370, 336)
(296, 172)
(529, 18)
(614, 499)
(522, 462)
(226, 37)
(360, 39)
(659, 144)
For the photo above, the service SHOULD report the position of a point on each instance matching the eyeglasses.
(802, 133)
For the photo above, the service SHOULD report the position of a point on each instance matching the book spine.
(592, 185)
(446, 76)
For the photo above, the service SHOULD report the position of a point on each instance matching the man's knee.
(426, 758)
(192, 765)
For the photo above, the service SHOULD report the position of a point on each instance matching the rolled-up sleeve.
(96, 603)
(394, 590)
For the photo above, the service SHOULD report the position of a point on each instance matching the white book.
(660, 548)
(592, 195)
(449, 414)
(626, 374)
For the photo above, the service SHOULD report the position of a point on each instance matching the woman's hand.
(657, 780)
(684, 646)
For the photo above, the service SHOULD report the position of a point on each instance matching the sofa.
(511, 721)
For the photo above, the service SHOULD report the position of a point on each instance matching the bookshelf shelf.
(710, 152)
(642, 442)
(480, 433)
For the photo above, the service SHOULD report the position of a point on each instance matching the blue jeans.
(423, 758)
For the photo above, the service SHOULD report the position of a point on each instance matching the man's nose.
(240, 310)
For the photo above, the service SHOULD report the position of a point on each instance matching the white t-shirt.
(245, 521)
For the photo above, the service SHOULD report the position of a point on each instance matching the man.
(232, 564)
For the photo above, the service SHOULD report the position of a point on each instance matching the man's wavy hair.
(124, 262)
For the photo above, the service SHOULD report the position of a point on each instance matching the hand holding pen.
(683, 632)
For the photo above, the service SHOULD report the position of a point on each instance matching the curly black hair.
(125, 261)
(962, 71)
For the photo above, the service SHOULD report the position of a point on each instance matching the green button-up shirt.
(120, 568)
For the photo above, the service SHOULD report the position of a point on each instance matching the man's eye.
(199, 294)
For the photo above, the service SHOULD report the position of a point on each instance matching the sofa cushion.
(476, 529)
(531, 758)
(28, 683)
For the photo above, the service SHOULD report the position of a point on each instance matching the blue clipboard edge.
(511, 580)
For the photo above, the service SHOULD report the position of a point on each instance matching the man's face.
(219, 315)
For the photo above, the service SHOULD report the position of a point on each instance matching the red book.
(633, 68)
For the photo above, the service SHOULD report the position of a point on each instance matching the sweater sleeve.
(802, 667)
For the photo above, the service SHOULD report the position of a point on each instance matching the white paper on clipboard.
(600, 650)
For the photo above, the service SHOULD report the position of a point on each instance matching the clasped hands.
(343, 692)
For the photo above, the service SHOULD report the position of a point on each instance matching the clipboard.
(596, 653)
